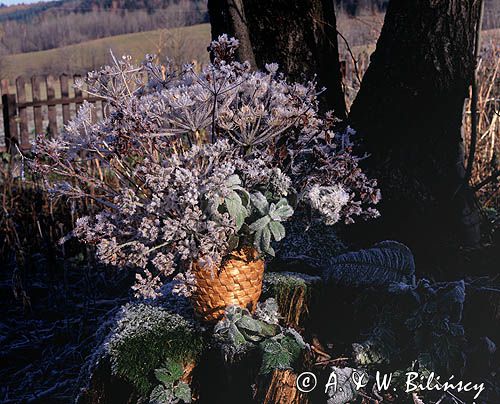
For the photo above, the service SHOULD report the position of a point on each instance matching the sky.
(11, 2)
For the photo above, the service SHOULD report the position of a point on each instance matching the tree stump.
(293, 293)
(280, 388)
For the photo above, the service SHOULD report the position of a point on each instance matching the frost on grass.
(145, 337)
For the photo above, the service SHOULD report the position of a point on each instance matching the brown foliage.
(485, 170)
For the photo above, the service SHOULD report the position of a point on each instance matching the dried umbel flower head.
(223, 49)
(191, 166)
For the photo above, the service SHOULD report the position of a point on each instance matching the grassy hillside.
(45, 26)
(184, 44)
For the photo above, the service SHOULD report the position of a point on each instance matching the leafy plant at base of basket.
(240, 332)
(192, 168)
(171, 389)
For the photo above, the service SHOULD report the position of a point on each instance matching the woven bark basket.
(237, 282)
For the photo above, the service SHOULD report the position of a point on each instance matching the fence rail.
(40, 104)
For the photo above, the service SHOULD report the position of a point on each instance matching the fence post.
(22, 112)
(78, 93)
(10, 120)
(37, 110)
(63, 82)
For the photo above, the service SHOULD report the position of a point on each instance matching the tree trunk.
(409, 115)
(228, 17)
(300, 36)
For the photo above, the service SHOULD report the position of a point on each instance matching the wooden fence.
(44, 104)
(40, 104)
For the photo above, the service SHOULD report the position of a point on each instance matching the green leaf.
(281, 211)
(266, 239)
(234, 313)
(280, 352)
(271, 251)
(277, 229)
(260, 203)
(236, 209)
(384, 263)
(255, 330)
(260, 224)
(183, 392)
(232, 181)
(283, 202)
(269, 330)
(235, 335)
(245, 198)
(170, 373)
(161, 395)
(262, 236)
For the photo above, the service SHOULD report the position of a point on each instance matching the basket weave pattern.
(238, 282)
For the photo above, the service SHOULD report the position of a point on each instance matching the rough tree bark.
(409, 113)
(300, 36)
(228, 17)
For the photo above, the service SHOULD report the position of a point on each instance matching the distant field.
(186, 44)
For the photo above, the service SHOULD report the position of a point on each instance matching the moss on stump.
(293, 293)
(143, 339)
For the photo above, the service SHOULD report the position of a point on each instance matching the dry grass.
(192, 41)
(486, 167)
(357, 38)
(360, 30)
(53, 297)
